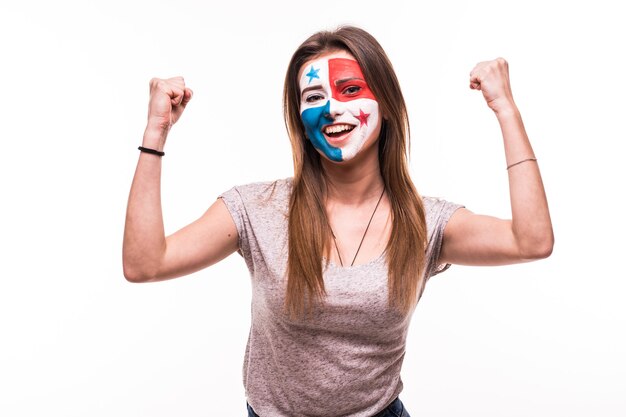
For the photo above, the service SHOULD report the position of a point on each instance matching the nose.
(335, 108)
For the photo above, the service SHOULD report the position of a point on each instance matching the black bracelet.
(152, 151)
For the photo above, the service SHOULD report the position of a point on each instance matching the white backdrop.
(540, 339)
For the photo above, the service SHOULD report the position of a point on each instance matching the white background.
(540, 339)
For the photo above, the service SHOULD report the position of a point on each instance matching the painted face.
(338, 110)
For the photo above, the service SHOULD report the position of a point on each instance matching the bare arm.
(147, 254)
(472, 239)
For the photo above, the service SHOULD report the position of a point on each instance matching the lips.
(336, 132)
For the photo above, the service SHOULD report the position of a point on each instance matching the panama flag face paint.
(338, 110)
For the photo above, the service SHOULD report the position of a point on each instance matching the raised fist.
(492, 78)
(168, 99)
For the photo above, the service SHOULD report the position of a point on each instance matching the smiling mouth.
(338, 130)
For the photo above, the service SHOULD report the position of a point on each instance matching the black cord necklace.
(364, 233)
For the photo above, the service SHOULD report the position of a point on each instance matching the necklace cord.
(336, 247)
(364, 233)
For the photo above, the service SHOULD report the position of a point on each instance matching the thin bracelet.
(521, 162)
(152, 151)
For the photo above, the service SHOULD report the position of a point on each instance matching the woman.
(339, 254)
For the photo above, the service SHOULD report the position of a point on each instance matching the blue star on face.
(312, 74)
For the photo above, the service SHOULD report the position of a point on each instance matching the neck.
(356, 181)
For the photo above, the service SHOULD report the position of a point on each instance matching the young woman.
(340, 253)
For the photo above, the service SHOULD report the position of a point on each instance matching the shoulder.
(431, 203)
(264, 190)
(437, 212)
(264, 194)
(435, 207)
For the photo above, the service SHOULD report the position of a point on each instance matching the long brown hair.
(309, 230)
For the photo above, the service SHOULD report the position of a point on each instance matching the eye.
(351, 90)
(314, 98)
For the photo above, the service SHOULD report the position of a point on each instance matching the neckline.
(371, 262)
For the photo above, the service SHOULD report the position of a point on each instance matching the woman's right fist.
(168, 99)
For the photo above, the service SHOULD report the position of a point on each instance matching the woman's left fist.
(492, 78)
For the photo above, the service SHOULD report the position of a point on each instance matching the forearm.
(531, 224)
(144, 235)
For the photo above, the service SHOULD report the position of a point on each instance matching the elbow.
(133, 275)
(539, 252)
(537, 249)
(136, 275)
(139, 267)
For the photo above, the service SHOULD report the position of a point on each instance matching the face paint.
(338, 110)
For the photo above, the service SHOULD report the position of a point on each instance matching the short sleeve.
(258, 211)
(438, 212)
(235, 205)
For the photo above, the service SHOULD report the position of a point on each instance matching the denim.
(395, 409)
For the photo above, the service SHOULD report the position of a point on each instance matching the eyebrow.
(345, 80)
(313, 87)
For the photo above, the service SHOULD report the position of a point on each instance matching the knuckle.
(177, 80)
(162, 85)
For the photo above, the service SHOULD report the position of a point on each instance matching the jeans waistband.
(395, 409)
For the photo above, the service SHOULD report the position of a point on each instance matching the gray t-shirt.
(343, 359)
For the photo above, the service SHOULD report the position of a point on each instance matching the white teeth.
(337, 128)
